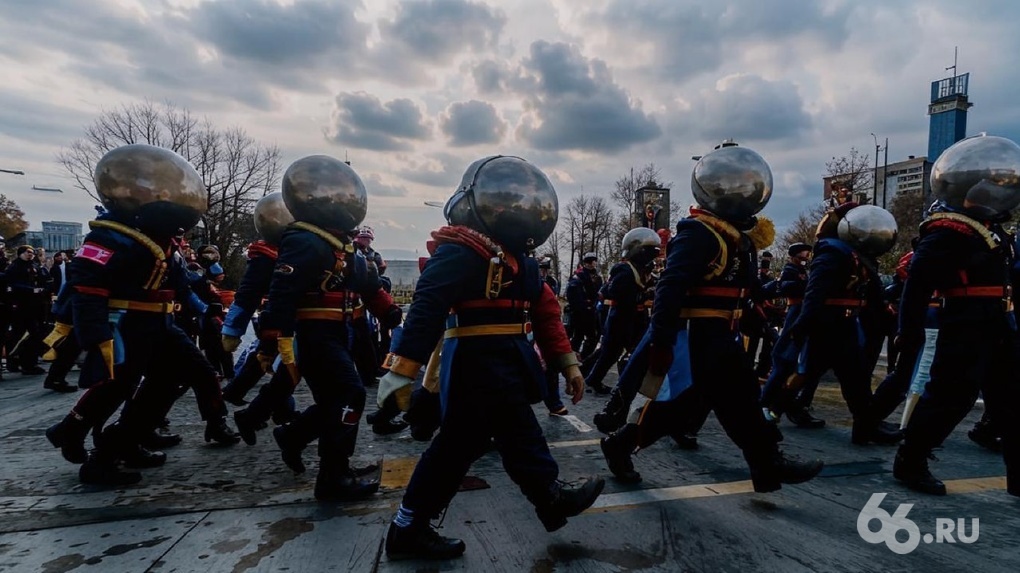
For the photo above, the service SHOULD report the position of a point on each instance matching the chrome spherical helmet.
(732, 182)
(869, 229)
(508, 199)
(272, 217)
(979, 176)
(325, 192)
(152, 188)
(640, 241)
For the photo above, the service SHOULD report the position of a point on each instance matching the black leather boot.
(59, 386)
(617, 449)
(246, 426)
(779, 469)
(614, 415)
(160, 439)
(218, 431)
(69, 435)
(100, 470)
(866, 431)
(420, 541)
(291, 447)
(984, 434)
(911, 468)
(802, 418)
(139, 458)
(339, 482)
(568, 501)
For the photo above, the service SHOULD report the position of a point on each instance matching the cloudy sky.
(412, 91)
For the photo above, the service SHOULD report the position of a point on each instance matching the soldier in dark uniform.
(124, 281)
(26, 294)
(790, 286)
(206, 287)
(827, 333)
(320, 284)
(271, 219)
(692, 355)
(481, 283)
(625, 291)
(964, 254)
(5, 298)
(582, 294)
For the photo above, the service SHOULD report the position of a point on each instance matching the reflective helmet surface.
(869, 229)
(272, 217)
(732, 182)
(325, 192)
(979, 176)
(155, 188)
(508, 199)
(637, 240)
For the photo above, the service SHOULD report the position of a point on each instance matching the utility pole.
(885, 176)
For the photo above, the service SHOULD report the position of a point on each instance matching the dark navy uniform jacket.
(254, 286)
(837, 273)
(949, 255)
(582, 294)
(694, 249)
(495, 368)
(626, 294)
(112, 265)
(308, 274)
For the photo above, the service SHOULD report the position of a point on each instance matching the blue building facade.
(948, 114)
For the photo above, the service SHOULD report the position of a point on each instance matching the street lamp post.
(874, 192)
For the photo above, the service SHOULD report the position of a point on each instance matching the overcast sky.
(413, 91)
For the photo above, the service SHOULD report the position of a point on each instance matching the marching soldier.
(965, 256)
(320, 284)
(124, 280)
(692, 353)
(481, 283)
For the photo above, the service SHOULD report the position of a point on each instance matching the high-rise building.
(948, 113)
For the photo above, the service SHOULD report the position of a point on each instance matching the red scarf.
(479, 243)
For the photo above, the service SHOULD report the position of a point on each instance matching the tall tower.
(948, 111)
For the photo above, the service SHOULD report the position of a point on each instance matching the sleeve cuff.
(564, 361)
(405, 367)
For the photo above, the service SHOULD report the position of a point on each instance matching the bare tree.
(853, 174)
(236, 169)
(801, 230)
(590, 228)
(908, 210)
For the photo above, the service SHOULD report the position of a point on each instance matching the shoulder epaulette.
(156, 278)
(722, 231)
(962, 224)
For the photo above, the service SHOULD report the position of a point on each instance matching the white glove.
(399, 386)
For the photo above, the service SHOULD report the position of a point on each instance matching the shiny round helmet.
(639, 243)
(979, 176)
(152, 188)
(272, 217)
(869, 229)
(325, 192)
(507, 199)
(732, 182)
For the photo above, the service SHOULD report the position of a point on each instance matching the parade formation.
(489, 333)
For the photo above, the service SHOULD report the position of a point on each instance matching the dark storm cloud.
(434, 30)
(471, 123)
(364, 121)
(749, 107)
(689, 37)
(271, 33)
(490, 77)
(572, 102)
